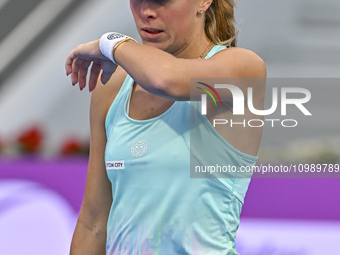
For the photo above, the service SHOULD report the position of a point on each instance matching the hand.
(78, 63)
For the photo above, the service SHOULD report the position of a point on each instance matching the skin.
(168, 16)
(174, 50)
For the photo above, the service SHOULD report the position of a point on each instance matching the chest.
(144, 105)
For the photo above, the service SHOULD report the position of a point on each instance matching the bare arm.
(161, 73)
(90, 234)
(167, 76)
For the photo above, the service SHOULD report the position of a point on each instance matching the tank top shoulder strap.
(214, 50)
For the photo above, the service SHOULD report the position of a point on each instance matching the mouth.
(152, 30)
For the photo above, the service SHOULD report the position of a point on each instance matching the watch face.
(113, 36)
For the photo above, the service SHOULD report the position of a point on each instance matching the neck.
(195, 49)
(198, 45)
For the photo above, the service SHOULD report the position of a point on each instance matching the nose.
(148, 9)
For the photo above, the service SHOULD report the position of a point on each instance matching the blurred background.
(44, 124)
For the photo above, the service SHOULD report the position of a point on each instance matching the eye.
(156, 2)
(162, 2)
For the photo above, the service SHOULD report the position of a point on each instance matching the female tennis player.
(139, 196)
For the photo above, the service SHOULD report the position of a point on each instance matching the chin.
(155, 45)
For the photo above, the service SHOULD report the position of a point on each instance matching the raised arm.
(159, 72)
(167, 76)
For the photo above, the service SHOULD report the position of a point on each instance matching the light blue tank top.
(158, 209)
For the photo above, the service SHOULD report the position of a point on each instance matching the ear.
(203, 5)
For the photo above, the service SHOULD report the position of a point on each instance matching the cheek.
(181, 25)
(134, 8)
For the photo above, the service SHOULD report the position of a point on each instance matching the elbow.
(262, 69)
(259, 69)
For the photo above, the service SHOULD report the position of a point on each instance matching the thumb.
(105, 77)
(108, 68)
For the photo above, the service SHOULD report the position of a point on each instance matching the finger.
(95, 71)
(75, 69)
(77, 64)
(69, 61)
(83, 73)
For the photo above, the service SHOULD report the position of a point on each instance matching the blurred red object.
(71, 146)
(31, 140)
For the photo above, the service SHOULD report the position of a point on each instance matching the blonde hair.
(219, 23)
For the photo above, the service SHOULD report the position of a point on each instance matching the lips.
(152, 30)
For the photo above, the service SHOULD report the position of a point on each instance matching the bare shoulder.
(103, 95)
(241, 63)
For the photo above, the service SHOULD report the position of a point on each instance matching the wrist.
(109, 43)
